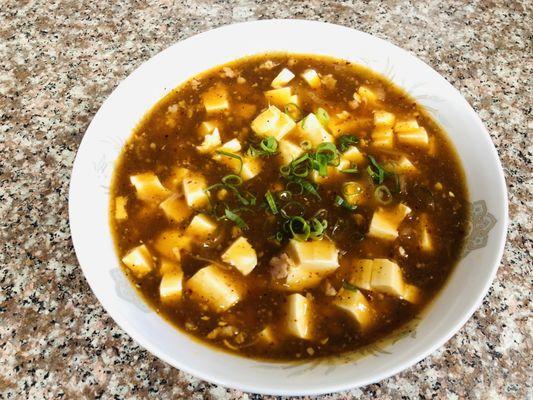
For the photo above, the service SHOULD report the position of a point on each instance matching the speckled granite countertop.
(61, 59)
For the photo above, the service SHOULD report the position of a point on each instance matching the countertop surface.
(61, 59)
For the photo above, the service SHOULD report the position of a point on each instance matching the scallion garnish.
(352, 170)
(341, 202)
(268, 147)
(345, 141)
(232, 179)
(376, 171)
(285, 195)
(271, 202)
(231, 155)
(348, 286)
(299, 228)
(383, 194)
(235, 219)
(294, 111)
(322, 116)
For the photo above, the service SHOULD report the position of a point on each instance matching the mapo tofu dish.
(288, 207)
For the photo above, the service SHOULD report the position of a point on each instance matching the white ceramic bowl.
(88, 204)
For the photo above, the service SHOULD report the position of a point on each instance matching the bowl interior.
(88, 204)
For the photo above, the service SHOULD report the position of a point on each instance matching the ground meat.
(280, 266)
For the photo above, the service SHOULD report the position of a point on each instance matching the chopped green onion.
(352, 170)
(376, 171)
(345, 141)
(350, 189)
(299, 228)
(271, 202)
(285, 195)
(310, 188)
(348, 286)
(299, 187)
(306, 145)
(269, 145)
(340, 202)
(232, 179)
(293, 111)
(285, 170)
(383, 194)
(235, 219)
(231, 155)
(318, 228)
(322, 116)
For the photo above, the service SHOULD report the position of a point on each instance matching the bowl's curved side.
(88, 203)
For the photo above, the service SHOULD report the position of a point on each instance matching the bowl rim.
(124, 323)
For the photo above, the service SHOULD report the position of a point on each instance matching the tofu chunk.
(382, 137)
(166, 266)
(288, 151)
(175, 179)
(211, 142)
(176, 208)
(284, 77)
(425, 241)
(387, 277)
(367, 95)
(356, 305)
(411, 293)
(148, 187)
(120, 208)
(251, 167)
(299, 278)
(216, 288)
(139, 261)
(193, 190)
(362, 274)
(216, 99)
(171, 286)
(201, 227)
(273, 122)
(406, 125)
(299, 316)
(310, 129)
(279, 97)
(312, 78)
(241, 255)
(416, 138)
(385, 222)
(267, 336)
(314, 256)
(384, 119)
(354, 155)
(169, 244)
(402, 166)
(207, 127)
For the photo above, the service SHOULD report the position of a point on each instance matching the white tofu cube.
(176, 208)
(312, 78)
(384, 119)
(241, 255)
(148, 187)
(411, 293)
(207, 127)
(356, 305)
(288, 151)
(385, 222)
(425, 240)
(193, 190)
(367, 95)
(284, 77)
(299, 316)
(382, 137)
(354, 155)
(251, 167)
(120, 208)
(201, 227)
(211, 142)
(267, 336)
(315, 256)
(273, 122)
(216, 99)
(171, 286)
(216, 288)
(403, 165)
(362, 274)
(406, 125)
(279, 97)
(139, 261)
(299, 278)
(310, 129)
(416, 138)
(387, 277)
(166, 266)
(169, 244)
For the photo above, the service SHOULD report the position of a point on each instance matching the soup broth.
(288, 206)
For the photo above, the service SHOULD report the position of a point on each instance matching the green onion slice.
(340, 202)
(269, 145)
(231, 155)
(383, 195)
(232, 179)
(322, 116)
(271, 202)
(294, 111)
(286, 195)
(345, 141)
(235, 219)
(348, 286)
(299, 228)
